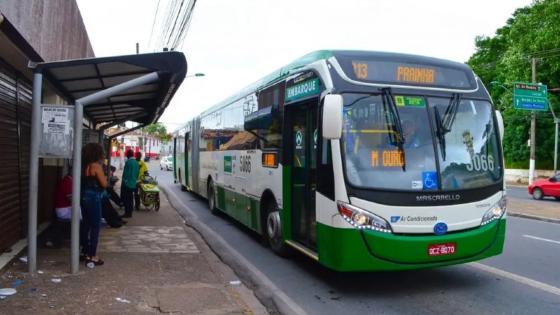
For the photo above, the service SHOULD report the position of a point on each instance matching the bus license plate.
(441, 249)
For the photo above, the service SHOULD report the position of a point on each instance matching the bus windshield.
(467, 151)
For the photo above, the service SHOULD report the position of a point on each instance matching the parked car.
(166, 163)
(546, 187)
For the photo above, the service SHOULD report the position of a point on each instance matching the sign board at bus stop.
(57, 131)
(530, 96)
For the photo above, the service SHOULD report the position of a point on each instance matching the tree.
(156, 130)
(505, 57)
(159, 131)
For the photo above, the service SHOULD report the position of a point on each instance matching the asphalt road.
(521, 193)
(525, 279)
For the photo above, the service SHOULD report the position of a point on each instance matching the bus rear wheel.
(211, 198)
(273, 231)
(183, 188)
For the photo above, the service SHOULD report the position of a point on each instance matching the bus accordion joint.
(270, 159)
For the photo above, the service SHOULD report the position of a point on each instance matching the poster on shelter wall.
(55, 120)
(57, 123)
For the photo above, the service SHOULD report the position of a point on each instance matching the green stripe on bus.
(243, 209)
(349, 250)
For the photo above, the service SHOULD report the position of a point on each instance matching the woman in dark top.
(93, 186)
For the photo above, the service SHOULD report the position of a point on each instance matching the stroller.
(149, 193)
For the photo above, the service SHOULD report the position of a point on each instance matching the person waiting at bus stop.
(93, 185)
(142, 171)
(128, 184)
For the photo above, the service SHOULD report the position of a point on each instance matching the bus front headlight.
(362, 219)
(495, 212)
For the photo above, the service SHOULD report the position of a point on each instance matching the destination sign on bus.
(387, 158)
(406, 73)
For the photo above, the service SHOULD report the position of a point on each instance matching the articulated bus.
(360, 160)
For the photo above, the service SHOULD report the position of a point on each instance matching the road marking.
(541, 239)
(512, 276)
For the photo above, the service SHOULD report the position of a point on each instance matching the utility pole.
(533, 125)
(556, 122)
(137, 48)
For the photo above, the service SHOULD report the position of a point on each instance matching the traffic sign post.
(530, 96)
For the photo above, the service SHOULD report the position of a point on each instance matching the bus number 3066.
(245, 163)
(481, 163)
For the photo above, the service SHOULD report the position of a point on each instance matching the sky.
(237, 42)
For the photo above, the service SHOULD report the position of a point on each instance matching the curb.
(266, 291)
(517, 185)
(534, 217)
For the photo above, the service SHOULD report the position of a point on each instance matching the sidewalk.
(528, 209)
(154, 264)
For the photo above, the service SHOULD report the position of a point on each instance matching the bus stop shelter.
(104, 92)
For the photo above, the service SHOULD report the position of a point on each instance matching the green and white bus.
(360, 160)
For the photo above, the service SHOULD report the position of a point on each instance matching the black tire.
(157, 203)
(211, 198)
(538, 194)
(183, 188)
(273, 230)
(557, 198)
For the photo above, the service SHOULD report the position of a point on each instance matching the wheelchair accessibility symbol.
(429, 180)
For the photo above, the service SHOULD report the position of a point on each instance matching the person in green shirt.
(128, 184)
(142, 171)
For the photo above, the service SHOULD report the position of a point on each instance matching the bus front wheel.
(273, 230)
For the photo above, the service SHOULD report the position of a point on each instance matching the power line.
(175, 23)
(153, 24)
(185, 25)
(172, 22)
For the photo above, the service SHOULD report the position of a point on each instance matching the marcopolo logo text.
(444, 197)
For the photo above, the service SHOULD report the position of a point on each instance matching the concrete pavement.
(155, 264)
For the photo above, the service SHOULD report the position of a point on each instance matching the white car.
(166, 163)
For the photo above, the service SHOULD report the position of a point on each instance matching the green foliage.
(158, 130)
(506, 57)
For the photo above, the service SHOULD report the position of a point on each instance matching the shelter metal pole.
(34, 173)
(145, 79)
(76, 179)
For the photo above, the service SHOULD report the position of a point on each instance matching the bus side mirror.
(500, 120)
(332, 116)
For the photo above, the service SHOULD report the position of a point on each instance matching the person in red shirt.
(60, 227)
(63, 198)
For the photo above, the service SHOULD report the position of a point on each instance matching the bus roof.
(284, 71)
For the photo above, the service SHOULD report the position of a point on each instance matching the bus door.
(301, 156)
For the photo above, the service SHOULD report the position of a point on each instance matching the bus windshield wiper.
(451, 112)
(444, 125)
(396, 134)
(440, 132)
